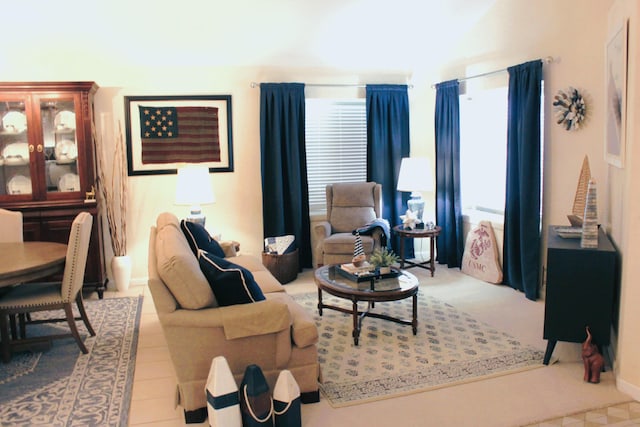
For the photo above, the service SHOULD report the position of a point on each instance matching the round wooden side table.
(415, 233)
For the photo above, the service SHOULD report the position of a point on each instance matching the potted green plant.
(383, 259)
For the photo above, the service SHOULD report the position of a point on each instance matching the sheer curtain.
(521, 262)
(285, 198)
(388, 143)
(450, 242)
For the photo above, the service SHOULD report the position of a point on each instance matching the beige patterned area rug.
(451, 348)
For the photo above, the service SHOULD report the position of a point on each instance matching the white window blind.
(336, 145)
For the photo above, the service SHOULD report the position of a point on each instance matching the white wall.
(624, 210)
(220, 47)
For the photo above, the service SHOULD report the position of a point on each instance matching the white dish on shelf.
(69, 182)
(66, 151)
(65, 120)
(16, 153)
(14, 122)
(19, 184)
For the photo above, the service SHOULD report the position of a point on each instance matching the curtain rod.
(255, 84)
(547, 60)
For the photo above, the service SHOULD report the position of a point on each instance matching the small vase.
(121, 269)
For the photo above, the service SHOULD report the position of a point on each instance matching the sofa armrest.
(322, 230)
(304, 331)
(229, 247)
(237, 321)
(195, 337)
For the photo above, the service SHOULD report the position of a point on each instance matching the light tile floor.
(153, 396)
(625, 414)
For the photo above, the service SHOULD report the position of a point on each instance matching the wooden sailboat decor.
(577, 213)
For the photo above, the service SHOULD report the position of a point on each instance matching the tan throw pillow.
(179, 270)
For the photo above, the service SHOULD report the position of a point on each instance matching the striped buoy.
(286, 401)
(358, 249)
(223, 401)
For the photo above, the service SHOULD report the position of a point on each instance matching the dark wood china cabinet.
(48, 165)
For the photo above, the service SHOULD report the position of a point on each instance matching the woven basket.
(284, 267)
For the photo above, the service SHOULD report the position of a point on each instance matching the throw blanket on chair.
(371, 227)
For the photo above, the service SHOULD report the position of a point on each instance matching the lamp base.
(416, 205)
(196, 216)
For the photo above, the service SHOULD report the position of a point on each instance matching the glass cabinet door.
(60, 145)
(15, 174)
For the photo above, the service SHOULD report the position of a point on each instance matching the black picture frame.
(133, 131)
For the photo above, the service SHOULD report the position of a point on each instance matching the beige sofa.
(274, 334)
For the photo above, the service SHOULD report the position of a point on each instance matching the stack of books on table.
(362, 273)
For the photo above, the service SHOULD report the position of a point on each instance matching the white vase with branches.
(112, 189)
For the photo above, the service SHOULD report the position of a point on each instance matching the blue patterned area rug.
(451, 348)
(63, 387)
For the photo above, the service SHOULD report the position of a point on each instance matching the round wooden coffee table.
(330, 280)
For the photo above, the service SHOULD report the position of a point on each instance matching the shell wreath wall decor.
(570, 108)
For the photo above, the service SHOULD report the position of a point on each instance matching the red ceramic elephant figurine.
(593, 360)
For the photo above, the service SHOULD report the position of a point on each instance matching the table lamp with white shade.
(193, 188)
(415, 176)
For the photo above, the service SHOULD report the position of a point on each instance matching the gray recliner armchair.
(350, 206)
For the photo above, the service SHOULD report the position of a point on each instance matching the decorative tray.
(569, 232)
(366, 276)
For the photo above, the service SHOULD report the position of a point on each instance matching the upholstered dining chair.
(350, 207)
(10, 226)
(10, 231)
(33, 297)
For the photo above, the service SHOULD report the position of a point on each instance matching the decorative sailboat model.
(577, 213)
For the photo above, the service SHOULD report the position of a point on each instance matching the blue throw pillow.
(199, 238)
(230, 283)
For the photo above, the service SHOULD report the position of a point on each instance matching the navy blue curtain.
(450, 242)
(285, 196)
(387, 144)
(521, 261)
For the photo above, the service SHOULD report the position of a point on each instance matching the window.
(483, 150)
(336, 145)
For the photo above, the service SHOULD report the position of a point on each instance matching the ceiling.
(301, 33)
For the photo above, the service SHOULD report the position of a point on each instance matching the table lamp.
(194, 188)
(415, 176)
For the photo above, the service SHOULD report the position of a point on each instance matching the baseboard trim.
(628, 388)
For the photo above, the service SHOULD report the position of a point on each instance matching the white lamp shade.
(193, 186)
(415, 175)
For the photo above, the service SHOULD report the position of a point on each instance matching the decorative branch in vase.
(113, 192)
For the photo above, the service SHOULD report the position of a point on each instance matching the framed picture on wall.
(165, 132)
(616, 95)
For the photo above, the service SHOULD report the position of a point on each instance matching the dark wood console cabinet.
(580, 288)
(48, 164)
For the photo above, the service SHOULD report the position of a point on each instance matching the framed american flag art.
(165, 132)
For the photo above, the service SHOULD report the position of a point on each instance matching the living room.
(216, 48)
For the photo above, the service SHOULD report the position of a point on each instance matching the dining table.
(25, 261)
